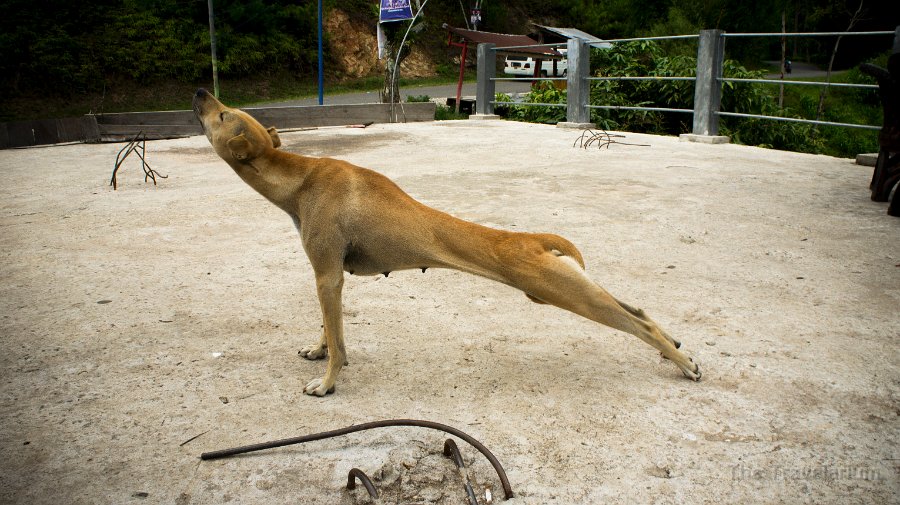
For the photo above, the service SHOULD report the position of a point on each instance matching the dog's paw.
(313, 351)
(693, 375)
(316, 387)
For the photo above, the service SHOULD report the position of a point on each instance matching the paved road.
(441, 91)
(800, 70)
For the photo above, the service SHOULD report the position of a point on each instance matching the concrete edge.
(704, 139)
(484, 117)
(867, 159)
(578, 126)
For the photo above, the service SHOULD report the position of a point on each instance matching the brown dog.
(356, 220)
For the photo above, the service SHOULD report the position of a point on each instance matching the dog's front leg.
(329, 285)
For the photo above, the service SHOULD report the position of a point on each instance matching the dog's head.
(234, 134)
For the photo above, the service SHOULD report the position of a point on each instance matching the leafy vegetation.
(64, 58)
(646, 58)
(441, 112)
(544, 92)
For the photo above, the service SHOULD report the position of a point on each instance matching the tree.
(854, 18)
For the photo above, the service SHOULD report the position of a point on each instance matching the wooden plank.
(19, 134)
(74, 129)
(287, 117)
(173, 117)
(45, 132)
(48, 131)
(90, 129)
(163, 124)
(279, 117)
(31, 132)
(4, 137)
(339, 115)
(156, 131)
(22, 133)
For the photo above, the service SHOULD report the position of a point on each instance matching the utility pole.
(212, 43)
(321, 65)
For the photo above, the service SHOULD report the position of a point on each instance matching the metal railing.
(720, 39)
(708, 80)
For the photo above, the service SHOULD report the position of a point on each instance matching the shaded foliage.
(63, 48)
(647, 59)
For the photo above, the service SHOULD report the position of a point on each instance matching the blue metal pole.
(321, 64)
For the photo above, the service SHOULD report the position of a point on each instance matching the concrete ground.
(144, 326)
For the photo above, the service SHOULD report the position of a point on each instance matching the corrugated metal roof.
(502, 40)
(575, 33)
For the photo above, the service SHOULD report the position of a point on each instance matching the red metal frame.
(462, 65)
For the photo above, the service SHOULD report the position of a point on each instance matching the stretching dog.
(356, 220)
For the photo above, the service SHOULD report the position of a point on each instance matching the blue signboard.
(395, 10)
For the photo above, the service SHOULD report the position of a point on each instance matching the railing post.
(896, 48)
(578, 88)
(485, 90)
(708, 88)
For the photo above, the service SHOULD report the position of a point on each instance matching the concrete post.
(578, 92)
(485, 88)
(897, 39)
(708, 88)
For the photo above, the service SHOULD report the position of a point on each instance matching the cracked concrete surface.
(135, 320)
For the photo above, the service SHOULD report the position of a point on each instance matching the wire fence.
(708, 79)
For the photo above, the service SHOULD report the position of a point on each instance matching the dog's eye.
(222, 116)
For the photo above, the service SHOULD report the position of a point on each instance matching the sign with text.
(395, 10)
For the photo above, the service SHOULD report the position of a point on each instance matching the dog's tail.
(560, 247)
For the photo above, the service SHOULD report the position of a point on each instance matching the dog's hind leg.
(559, 280)
(640, 314)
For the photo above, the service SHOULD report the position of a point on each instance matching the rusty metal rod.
(120, 159)
(137, 145)
(356, 473)
(504, 481)
(452, 451)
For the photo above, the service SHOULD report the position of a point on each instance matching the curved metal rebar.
(452, 452)
(356, 473)
(504, 481)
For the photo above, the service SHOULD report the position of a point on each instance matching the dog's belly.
(360, 261)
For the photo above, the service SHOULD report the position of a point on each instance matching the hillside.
(64, 59)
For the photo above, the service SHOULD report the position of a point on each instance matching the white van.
(524, 66)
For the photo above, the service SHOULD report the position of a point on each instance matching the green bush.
(639, 59)
(645, 58)
(444, 113)
(542, 92)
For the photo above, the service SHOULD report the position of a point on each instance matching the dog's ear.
(240, 147)
(276, 141)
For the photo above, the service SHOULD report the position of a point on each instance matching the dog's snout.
(198, 103)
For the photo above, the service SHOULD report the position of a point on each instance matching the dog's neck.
(276, 175)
